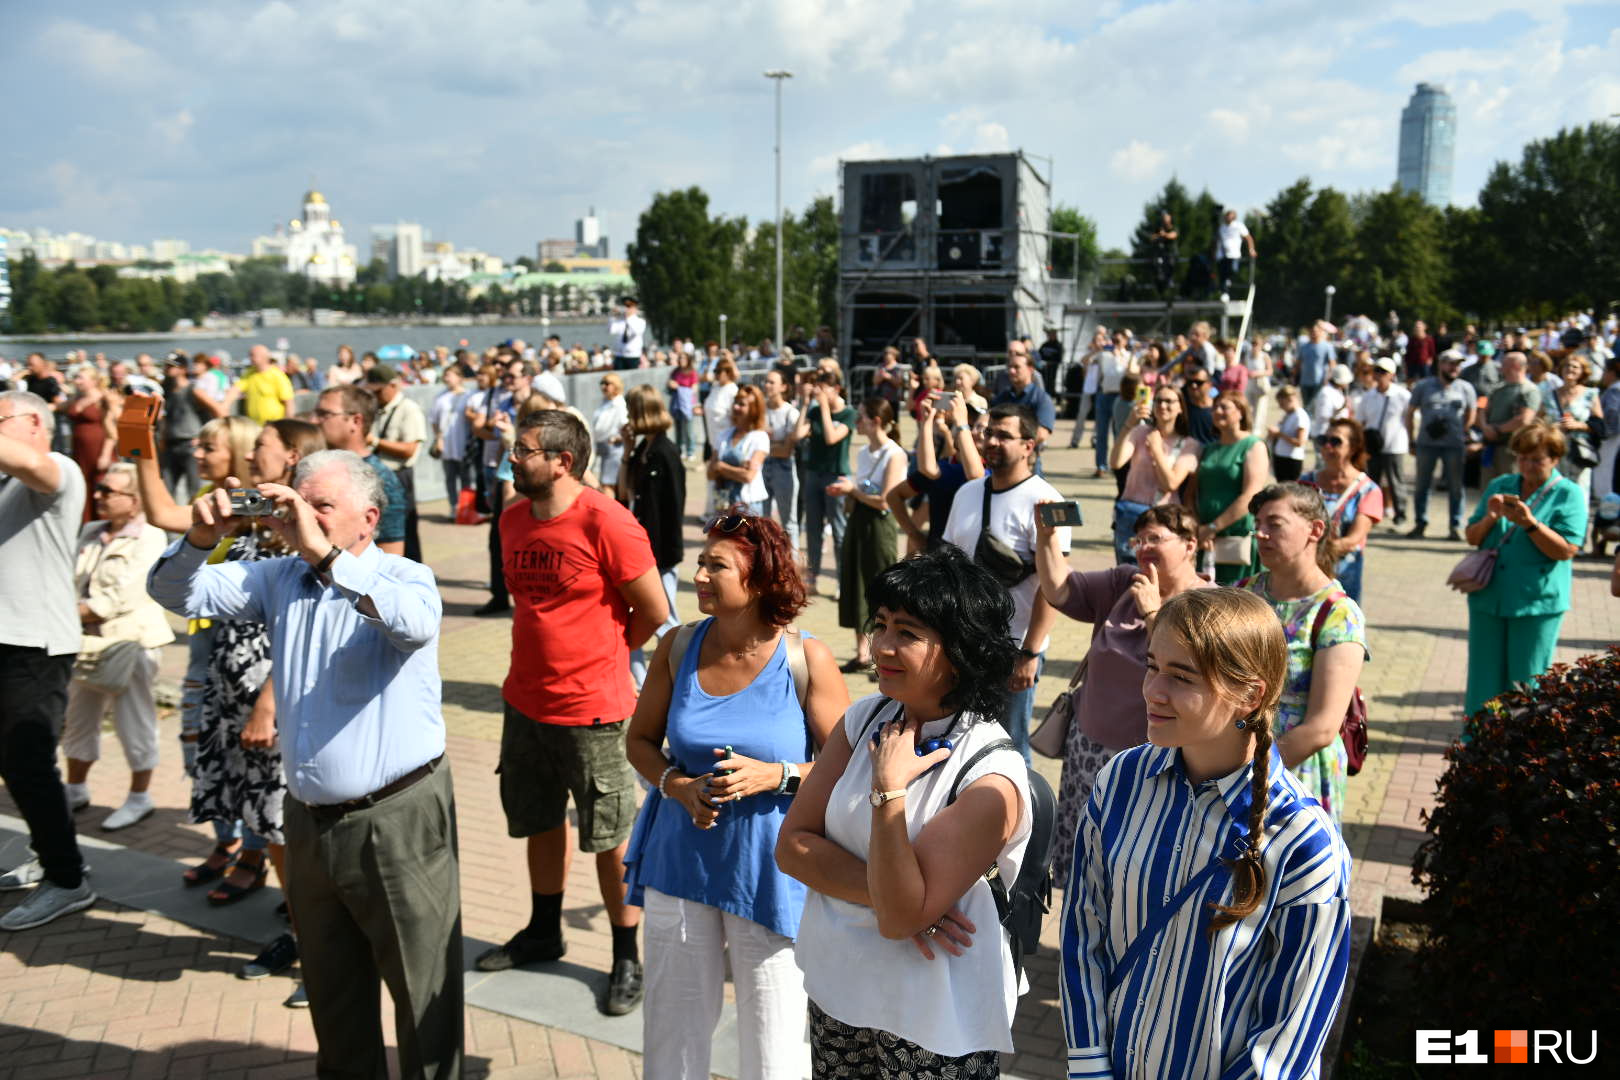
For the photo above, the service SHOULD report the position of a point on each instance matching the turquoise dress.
(733, 865)
(1325, 772)
(1513, 622)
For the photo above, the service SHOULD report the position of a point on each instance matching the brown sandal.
(204, 872)
(229, 893)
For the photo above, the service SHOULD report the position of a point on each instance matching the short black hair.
(972, 613)
(1027, 428)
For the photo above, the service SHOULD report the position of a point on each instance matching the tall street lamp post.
(1327, 303)
(777, 75)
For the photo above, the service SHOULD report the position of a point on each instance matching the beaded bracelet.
(665, 776)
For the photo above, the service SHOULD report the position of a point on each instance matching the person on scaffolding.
(1164, 254)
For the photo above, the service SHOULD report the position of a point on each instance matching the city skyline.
(505, 126)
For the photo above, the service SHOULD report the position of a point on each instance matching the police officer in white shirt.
(628, 333)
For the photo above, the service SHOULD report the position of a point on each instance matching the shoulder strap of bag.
(797, 664)
(1322, 614)
(1357, 491)
(978, 755)
(1156, 922)
(984, 510)
(677, 650)
(1538, 498)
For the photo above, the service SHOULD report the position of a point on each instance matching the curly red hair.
(773, 574)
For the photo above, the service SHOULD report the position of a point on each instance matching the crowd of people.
(784, 827)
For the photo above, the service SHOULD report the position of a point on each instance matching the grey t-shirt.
(1441, 409)
(184, 417)
(39, 541)
(1507, 400)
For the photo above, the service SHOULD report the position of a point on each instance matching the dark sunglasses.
(1197, 382)
(728, 523)
(103, 489)
(1332, 440)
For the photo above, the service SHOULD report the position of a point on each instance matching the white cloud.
(1137, 160)
(868, 150)
(977, 133)
(1232, 125)
(99, 53)
(175, 128)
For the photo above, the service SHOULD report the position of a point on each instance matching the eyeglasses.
(1331, 440)
(521, 453)
(1136, 543)
(1197, 382)
(12, 416)
(103, 489)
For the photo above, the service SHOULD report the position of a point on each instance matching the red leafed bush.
(1522, 863)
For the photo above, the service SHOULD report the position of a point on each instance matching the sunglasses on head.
(728, 523)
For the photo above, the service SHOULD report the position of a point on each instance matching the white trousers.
(134, 718)
(686, 944)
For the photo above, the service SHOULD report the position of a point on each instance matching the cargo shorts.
(542, 765)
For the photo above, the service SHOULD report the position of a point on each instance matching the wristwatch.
(878, 798)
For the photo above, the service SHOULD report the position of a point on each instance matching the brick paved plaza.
(143, 984)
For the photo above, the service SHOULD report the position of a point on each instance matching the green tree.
(1281, 284)
(683, 262)
(1400, 261)
(1558, 212)
(78, 303)
(1194, 220)
(193, 303)
(1072, 257)
(221, 293)
(554, 267)
(265, 283)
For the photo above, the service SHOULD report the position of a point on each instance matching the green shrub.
(1522, 862)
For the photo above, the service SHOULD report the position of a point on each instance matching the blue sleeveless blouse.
(733, 865)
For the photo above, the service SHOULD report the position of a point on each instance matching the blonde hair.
(974, 378)
(648, 414)
(239, 433)
(1236, 640)
(613, 381)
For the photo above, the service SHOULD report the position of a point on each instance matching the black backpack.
(1030, 897)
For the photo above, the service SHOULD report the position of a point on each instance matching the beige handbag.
(1048, 739)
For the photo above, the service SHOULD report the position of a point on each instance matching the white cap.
(1341, 375)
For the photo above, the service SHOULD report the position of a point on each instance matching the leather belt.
(335, 811)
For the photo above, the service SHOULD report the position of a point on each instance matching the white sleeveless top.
(952, 1005)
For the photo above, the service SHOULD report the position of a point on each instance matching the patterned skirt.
(838, 1051)
(1083, 759)
(232, 781)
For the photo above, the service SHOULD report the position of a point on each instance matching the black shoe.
(521, 951)
(624, 988)
(1417, 531)
(274, 959)
(855, 667)
(494, 607)
(1453, 534)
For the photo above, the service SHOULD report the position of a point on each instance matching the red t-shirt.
(570, 663)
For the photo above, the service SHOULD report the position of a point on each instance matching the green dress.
(1220, 480)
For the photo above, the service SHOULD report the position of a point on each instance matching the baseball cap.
(1452, 354)
(1341, 375)
(1486, 349)
(381, 374)
(1384, 363)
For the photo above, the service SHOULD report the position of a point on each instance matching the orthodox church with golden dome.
(313, 244)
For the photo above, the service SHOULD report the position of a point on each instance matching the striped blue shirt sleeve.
(1083, 961)
(1299, 992)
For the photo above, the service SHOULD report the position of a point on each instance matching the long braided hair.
(1236, 641)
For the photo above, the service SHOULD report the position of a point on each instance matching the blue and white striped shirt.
(1257, 999)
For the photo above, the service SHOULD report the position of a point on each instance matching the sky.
(496, 123)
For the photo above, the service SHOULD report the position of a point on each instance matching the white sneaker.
(78, 796)
(135, 808)
(47, 902)
(23, 875)
(299, 999)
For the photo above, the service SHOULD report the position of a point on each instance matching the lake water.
(320, 342)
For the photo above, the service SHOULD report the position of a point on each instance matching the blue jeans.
(1105, 414)
(1125, 515)
(1021, 708)
(1349, 573)
(1450, 461)
(782, 493)
(458, 474)
(683, 434)
(822, 509)
(638, 657)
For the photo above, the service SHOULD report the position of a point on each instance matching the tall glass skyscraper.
(1428, 144)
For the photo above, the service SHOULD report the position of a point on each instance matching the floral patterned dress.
(233, 781)
(1324, 773)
